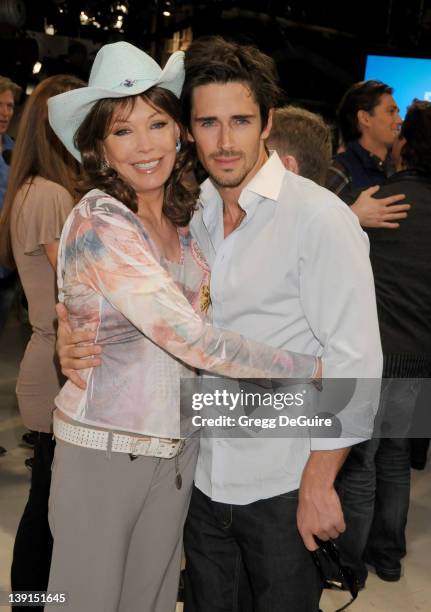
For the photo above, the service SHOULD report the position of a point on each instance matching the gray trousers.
(117, 526)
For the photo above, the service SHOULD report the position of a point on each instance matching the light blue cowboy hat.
(119, 70)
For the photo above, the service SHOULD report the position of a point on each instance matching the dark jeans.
(33, 543)
(247, 558)
(374, 486)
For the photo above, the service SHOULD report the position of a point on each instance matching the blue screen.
(410, 77)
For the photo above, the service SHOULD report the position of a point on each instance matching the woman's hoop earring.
(178, 145)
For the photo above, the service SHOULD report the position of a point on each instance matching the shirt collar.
(266, 183)
(369, 160)
(208, 194)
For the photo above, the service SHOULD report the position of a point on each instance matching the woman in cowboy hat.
(130, 270)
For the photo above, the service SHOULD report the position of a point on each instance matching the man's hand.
(73, 356)
(374, 212)
(319, 509)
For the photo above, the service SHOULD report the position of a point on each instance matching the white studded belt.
(118, 443)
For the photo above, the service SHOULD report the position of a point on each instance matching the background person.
(369, 121)
(10, 93)
(374, 483)
(303, 141)
(9, 96)
(40, 195)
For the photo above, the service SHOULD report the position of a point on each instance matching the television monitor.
(409, 76)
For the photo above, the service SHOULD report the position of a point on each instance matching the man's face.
(6, 110)
(384, 121)
(227, 130)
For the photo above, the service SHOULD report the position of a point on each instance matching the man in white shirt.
(289, 268)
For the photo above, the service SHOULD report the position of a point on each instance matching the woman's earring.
(104, 165)
(178, 145)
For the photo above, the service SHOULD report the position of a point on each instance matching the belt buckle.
(137, 444)
(140, 444)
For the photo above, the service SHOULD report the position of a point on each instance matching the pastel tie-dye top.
(149, 316)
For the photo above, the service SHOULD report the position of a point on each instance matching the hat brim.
(68, 110)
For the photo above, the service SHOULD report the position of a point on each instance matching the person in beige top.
(39, 212)
(39, 197)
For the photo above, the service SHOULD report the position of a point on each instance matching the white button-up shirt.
(295, 275)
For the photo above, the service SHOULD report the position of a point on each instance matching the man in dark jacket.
(374, 484)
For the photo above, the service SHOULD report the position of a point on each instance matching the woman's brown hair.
(180, 194)
(37, 152)
(416, 131)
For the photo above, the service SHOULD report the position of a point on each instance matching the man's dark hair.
(416, 129)
(215, 60)
(304, 135)
(364, 95)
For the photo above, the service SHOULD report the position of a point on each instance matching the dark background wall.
(319, 47)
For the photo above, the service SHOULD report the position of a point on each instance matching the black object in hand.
(333, 573)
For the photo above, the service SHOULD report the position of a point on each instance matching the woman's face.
(140, 146)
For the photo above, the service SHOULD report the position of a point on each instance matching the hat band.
(126, 84)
